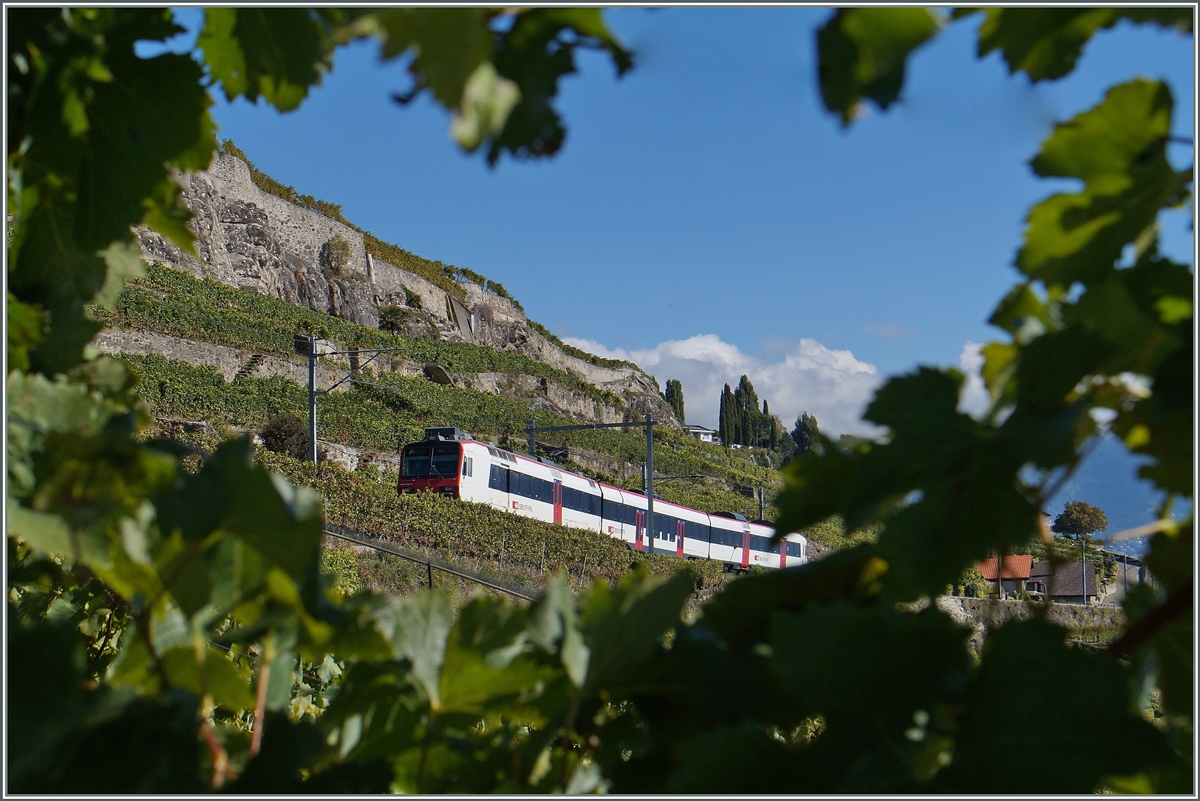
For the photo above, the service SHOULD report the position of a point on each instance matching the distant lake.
(1108, 480)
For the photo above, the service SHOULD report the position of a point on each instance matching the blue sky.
(706, 217)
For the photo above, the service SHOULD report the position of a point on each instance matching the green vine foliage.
(393, 410)
(171, 631)
(174, 302)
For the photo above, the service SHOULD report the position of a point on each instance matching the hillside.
(253, 233)
(219, 360)
(207, 351)
(211, 339)
(214, 361)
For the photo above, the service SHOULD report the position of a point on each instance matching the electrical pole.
(650, 479)
(1083, 567)
(312, 399)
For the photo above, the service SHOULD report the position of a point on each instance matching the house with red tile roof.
(1013, 572)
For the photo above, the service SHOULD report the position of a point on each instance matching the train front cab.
(447, 462)
(431, 465)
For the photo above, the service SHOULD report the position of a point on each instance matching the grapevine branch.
(1178, 602)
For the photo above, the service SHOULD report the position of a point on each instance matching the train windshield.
(416, 462)
(438, 461)
(445, 461)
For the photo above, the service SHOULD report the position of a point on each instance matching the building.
(1013, 576)
(701, 433)
(1073, 583)
(1022, 576)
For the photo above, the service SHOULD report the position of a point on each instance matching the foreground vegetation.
(170, 631)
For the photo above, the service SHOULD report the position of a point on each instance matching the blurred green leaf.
(741, 613)
(26, 328)
(535, 53)
(1094, 732)
(230, 687)
(93, 178)
(273, 53)
(1046, 42)
(484, 670)
(46, 702)
(624, 625)
(733, 760)
(554, 627)
(814, 487)
(422, 626)
(281, 522)
(449, 44)
(862, 54)
(1118, 149)
(828, 656)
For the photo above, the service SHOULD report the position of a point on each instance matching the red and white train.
(451, 463)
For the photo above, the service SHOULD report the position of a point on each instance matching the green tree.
(674, 398)
(391, 319)
(284, 433)
(163, 625)
(1079, 520)
(335, 256)
(727, 418)
(807, 434)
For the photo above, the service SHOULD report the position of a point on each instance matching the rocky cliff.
(254, 240)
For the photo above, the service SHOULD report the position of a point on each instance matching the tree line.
(741, 422)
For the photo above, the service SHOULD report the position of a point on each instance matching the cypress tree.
(806, 433)
(674, 398)
(725, 420)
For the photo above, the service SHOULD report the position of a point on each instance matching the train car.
(679, 531)
(730, 538)
(762, 552)
(624, 516)
(450, 462)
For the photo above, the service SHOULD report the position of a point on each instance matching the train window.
(445, 461)
(499, 478)
(416, 463)
(468, 467)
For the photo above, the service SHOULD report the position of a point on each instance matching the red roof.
(1015, 567)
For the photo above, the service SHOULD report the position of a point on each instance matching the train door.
(746, 547)
(639, 525)
(556, 495)
(679, 538)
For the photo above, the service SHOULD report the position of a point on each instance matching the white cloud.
(831, 384)
(974, 398)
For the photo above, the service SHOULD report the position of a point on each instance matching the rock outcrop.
(253, 240)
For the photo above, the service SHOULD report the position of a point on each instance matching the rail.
(431, 563)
